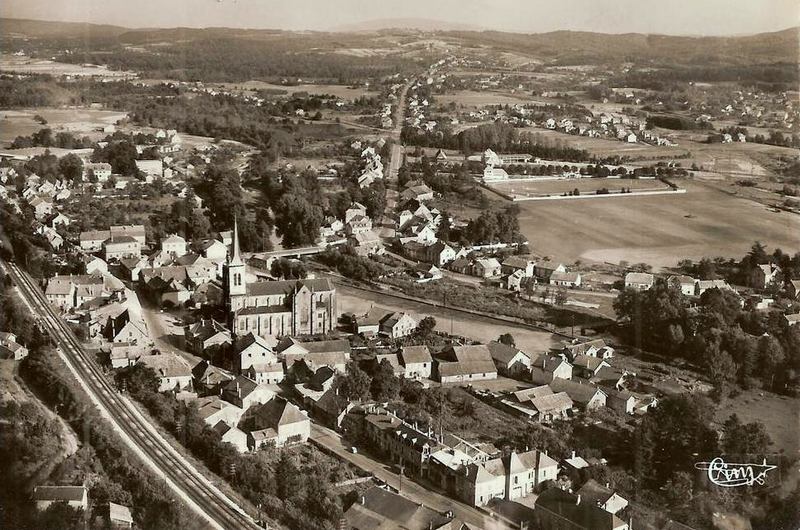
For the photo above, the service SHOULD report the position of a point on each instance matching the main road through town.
(143, 438)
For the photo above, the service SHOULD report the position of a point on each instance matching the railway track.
(205, 499)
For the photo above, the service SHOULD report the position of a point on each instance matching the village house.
(546, 368)
(100, 170)
(377, 508)
(315, 354)
(593, 348)
(74, 496)
(355, 210)
(462, 364)
(510, 361)
(206, 336)
(174, 245)
(585, 395)
(213, 409)
(10, 349)
(514, 281)
(397, 325)
(243, 392)
(253, 349)
(173, 373)
(439, 253)
(540, 404)
(704, 285)
(685, 283)
(117, 247)
(587, 366)
(565, 279)
(208, 379)
(118, 516)
(417, 362)
(513, 264)
(762, 276)
(486, 268)
(557, 510)
(640, 281)
(278, 423)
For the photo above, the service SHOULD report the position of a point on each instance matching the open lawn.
(659, 230)
(534, 188)
(341, 91)
(609, 147)
(779, 414)
(82, 122)
(477, 99)
(28, 65)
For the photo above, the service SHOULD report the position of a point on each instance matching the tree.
(199, 225)
(288, 477)
(71, 167)
(561, 296)
(721, 371)
(385, 385)
(426, 326)
(679, 488)
(356, 383)
(670, 438)
(297, 220)
(507, 339)
(744, 439)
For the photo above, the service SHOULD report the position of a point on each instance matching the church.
(276, 308)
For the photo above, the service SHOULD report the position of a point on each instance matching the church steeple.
(235, 257)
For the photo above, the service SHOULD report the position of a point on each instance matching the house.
(74, 496)
(358, 224)
(585, 395)
(427, 273)
(417, 362)
(173, 373)
(486, 268)
(245, 392)
(232, 435)
(587, 366)
(565, 279)
(93, 264)
(594, 493)
(621, 401)
(704, 285)
(280, 423)
(510, 361)
(793, 290)
(685, 283)
(514, 281)
(378, 509)
(762, 276)
(461, 364)
(593, 348)
(543, 272)
(119, 516)
(546, 368)
(541, 404)
(558, 510)
(174, 245)
(793, 319)
(640, 281)
(355, 210)
(366, 243)
(206, 335)
(56, 219)
(517, 263)
(10, 349)
(213, 409)
(369, 324)
(440, 253)
(100, 170)
(393, 360)
(208, 379)
(117, 247)
(214, 250)
(253, 349)
(418, 193)
(266, 373)
(333, 353)
(397, 325)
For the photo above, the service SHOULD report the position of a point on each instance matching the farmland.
(27, 65)
(658, 230)
(533, 188)
(14, 123)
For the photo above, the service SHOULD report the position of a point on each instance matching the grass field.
(659, 230)
(532, 188)
(608, 147)
(779, 414)
(82, 122)
(341, 91)
(477, 99)
(27, 65)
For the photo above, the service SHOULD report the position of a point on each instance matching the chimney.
(578, 499)
(363, 500)
(573, 454)
(238, 389)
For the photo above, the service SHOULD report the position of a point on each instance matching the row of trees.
(46, 138)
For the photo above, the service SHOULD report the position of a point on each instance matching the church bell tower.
(233, 277)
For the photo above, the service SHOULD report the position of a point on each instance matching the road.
(333, 442)
(142, 437)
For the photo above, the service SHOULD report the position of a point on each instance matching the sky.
(672, 17)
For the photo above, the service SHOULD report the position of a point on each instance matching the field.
(340, 91)
(477, 99)
(26, 65)
(659, 230)
(779, 414)
(473, 327)
(607, 147)
(82, 122)
(533, 188)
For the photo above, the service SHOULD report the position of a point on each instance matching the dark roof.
(503, 352)
(278, 411)
(378, 508)
(594, 492)
(580, 392)
(287, 286)
(415, 354)
(581, 514)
